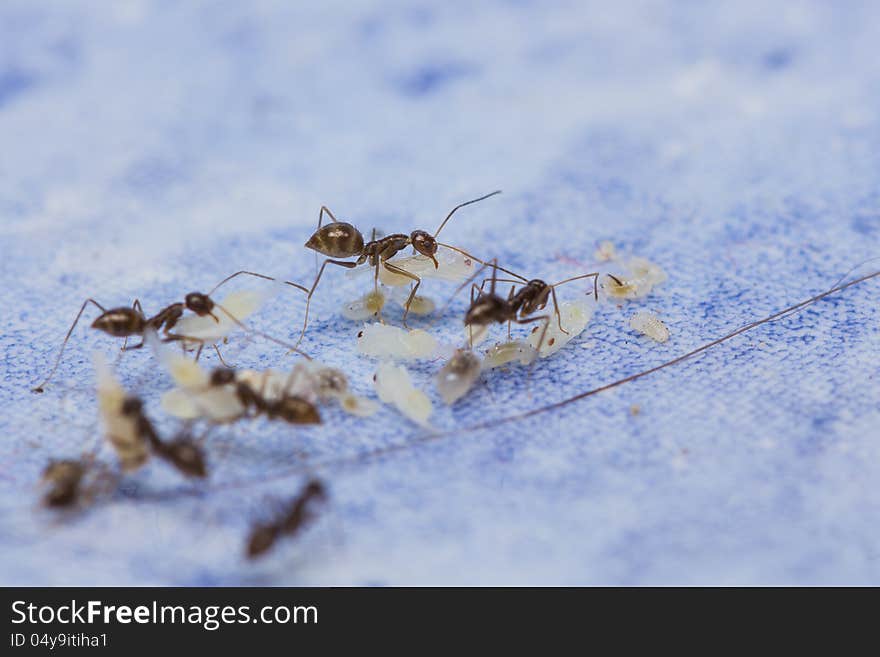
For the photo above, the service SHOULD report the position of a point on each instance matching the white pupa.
(647, 323)
(240, 304)
(458, 375)
(384, 341)
(394, 386)
(518, 351)
(121, 431)
(575, 316)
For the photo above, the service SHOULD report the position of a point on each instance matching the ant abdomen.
(295, 410)
(337, 240)
(120, 322)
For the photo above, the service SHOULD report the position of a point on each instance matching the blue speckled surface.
(150, 148)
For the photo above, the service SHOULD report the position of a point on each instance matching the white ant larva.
(419, 305)
(365, 307)
(458, 375)
(194, 397)
(639, 278)
(647, 323)
(120, 428)
(384, 341)
(575, 316)
(507, 352)
(394, 386)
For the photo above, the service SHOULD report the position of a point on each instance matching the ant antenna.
(461, 205)
(265, 336)
(253, 273)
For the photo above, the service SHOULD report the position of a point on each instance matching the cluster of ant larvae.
(379, 340)
(394, 386)
(647, 323)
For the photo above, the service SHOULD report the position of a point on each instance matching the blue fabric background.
(149, 148)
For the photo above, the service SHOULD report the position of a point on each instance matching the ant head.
(131, 406)
(315, 488)
(539, 298)
(222, 376)
(425, 244)
(200, 304)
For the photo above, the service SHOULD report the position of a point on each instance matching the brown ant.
(182, 452)
(520, 305)
(64, 479)
(339, 239)
(293, 409)
(125, 322)
(291, 521)
(71, 481)
(489, 308)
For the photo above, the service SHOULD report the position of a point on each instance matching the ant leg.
(220, 356)
(595, 277)
(556, 310)
(244, 272)
(321, 212)
(341, 263)
(539, 318)
(39, 387)
(402, 272)
(135, 306)
(199, 352)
